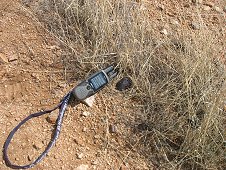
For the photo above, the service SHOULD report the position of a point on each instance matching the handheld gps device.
(94, 83)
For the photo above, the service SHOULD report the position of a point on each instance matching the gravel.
(52, 118)
(195, 25)
(85, 113)
(210, 4)
(89, 101)
(206, 8)
(79, 155)
(218, 9)
(164, 31)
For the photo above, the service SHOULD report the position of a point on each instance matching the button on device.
(88, 87)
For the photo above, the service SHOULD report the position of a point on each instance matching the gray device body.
(94, 83)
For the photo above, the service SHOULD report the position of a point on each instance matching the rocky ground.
(33, 77)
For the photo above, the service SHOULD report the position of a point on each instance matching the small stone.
(13, 57)
(143, 7)
(80, 155)
(175, 22)
(79, 141)
(85, 113)
(197, 1)
(53, 47)
(195, 25)
(206, 8)
(224, 108)
(112, 129)
(84, 129)
(3, 58)
(56, 157)
(210, 4)
(94, 162)
(218, 9)
(224, 9)
(29, 157)
(124, 83)
(164, 31)
(82, 167)
(62, 85)
(52, 118)
(89, 101)
(38, 145)
(171, 14)
(96, 137)
(17, 159)
(161, 7)
(143, 127)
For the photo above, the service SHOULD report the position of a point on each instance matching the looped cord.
(62, 107)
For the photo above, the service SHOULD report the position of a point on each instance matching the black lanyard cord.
(62, 107)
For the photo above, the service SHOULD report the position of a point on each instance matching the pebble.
(218, 9)
(38, 145)
(13, 57)
(96, 137)
(78, 141)
(84, 129)
(53, 47)
(197, 1)
(210, 4)
(29, 158)
(62, 85)
(175, 22)
(195, 25)
(206, 8)
(52, 118)
(161, 7)
(56, 157)
(224, 9)
(164, 31)
(85, 113)
(82, 167)
(94, 162)
(89, 101)
(80, 155)
(112, 129)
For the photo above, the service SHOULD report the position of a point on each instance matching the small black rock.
(112, 129)
(124, 83)
(144, 126)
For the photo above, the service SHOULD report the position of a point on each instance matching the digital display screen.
(98, 81)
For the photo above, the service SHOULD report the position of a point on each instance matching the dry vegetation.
(178, 79)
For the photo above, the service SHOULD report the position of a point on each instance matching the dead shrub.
(177, 78)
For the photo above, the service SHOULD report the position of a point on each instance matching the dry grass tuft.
(177, 78)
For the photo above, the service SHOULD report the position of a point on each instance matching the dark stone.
(124, 83)
(144, 127)
(112, 129)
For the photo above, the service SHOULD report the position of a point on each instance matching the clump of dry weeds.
(178, 78)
